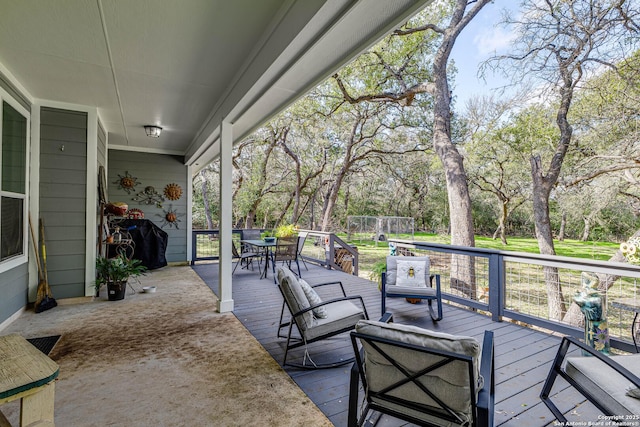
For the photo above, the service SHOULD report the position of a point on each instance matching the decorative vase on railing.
(590, 301)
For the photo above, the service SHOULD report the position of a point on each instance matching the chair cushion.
(450, 382)
(294, 296)
(411, 291)
(340, 315)
(392, 269)
(314, 299)
(607, 386)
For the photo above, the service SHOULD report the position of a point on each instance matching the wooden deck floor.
(523, 356)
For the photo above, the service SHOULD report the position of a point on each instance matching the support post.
(225, 301)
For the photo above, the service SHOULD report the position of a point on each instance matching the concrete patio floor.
(162, 359)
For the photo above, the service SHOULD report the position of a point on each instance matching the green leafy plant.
(375, 275)
(285, 230)
(118, 269)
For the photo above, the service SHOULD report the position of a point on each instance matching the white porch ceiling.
(185, 65)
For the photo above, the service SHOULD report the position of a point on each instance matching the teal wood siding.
(155, 170)
(14, 294)
(63, 171)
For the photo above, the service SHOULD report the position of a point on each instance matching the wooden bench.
(28, 374)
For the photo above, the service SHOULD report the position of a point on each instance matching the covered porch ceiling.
(185, 65)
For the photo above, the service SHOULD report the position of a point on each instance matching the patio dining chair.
(408, 277)
(314, 319)
(302, 237)
(420, 376)
(243, 258)
(285, 251)
(611, 383)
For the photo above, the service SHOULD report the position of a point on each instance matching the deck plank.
(523, 356)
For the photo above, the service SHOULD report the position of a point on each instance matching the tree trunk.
(563, 226)
(330, 201)
(205, 201)
(544, 235)
(460, 217)
(587, 229)
(503, 222)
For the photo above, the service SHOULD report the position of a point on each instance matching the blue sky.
(481, 39)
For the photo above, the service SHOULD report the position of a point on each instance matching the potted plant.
(375, 275)
(269, 237)
(285, 231)
(115, 272)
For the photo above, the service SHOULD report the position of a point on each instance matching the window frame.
(22, 258)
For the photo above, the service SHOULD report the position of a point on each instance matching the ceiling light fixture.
(153, 131)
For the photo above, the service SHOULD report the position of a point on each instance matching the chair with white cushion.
(424, 377)
(408, 277)
(313, 318)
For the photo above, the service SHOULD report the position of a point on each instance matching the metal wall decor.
(173, 191)
(149, 196)
(126, 182)
(171, 218)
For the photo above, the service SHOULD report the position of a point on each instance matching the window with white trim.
(13, 183)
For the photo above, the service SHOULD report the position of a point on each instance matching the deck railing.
(330, 251)
(321, 248)
(512, 285)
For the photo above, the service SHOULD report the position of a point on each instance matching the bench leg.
(4, 422)
(38, 406)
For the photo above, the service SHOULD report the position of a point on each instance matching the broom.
(41, 291)
(44, 297)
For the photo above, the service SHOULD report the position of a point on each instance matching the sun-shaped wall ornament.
(126, 182)
(171, 218)
(172, 191)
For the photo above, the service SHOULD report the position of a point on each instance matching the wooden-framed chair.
(611, 383)
(424, 377)
(285, 251)
(408, 277)
(314, 319)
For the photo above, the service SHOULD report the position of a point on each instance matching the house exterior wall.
(157, 171)
(13, 288)
(14, 282)
(63, 172)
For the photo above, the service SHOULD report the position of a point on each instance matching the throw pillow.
(314, 299)
(296, 299)
(412, 273)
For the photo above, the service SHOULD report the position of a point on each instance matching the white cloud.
(490, 41)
